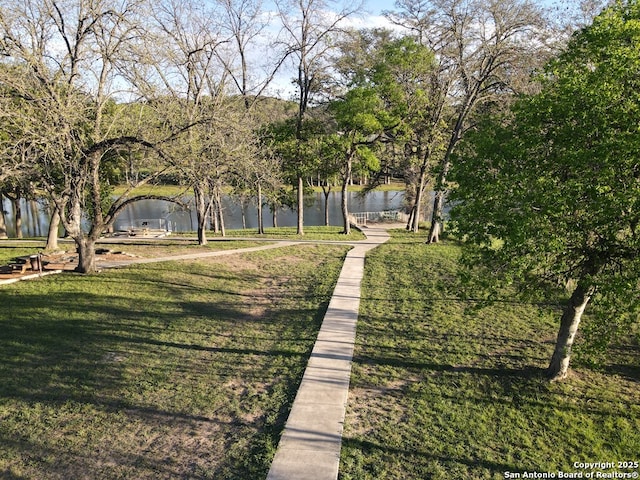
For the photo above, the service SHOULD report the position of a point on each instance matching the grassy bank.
(310, 233)
(177, 190)
(162, 371)
(442, 390)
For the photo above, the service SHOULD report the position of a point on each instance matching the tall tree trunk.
(345, 210)
(32, 217)
(274, 217)
(201, 213)
(3, 224)
(54, 224)
(260, 222)
(218, 206)
(559, 366)
(17, 214)
(213, 216)
(415, 224)
(436, 217)
(445, 166)
(438, 205)
(326, 190)
(343, 201)
(412, 213)
(300, 230)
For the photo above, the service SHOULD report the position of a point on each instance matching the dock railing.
(362, 218)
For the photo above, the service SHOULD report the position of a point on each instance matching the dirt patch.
(58, 261)
(69, 261)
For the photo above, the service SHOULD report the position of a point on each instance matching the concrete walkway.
(194, 256)
(310, 444)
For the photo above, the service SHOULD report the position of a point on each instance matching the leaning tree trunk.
(440, 189)
(436, 218)
(415, 224)
(438, 205)
(559, 366)
(412, 212)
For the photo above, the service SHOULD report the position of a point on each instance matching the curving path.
(310, 444)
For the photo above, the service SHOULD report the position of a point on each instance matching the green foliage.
(298, 149)
(360, 111)
(402, 75)
(558, 180)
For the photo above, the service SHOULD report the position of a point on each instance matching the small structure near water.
(145, 227)
(360, 219)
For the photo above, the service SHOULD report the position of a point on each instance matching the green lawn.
(161, 371)
(188, 370)
(310, 234)
(442, 390)
(13, 248)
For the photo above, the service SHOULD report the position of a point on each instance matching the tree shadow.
(71, 346)
(371, 448)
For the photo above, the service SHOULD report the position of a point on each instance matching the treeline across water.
(35, 215)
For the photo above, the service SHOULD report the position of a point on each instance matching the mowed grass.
(145, 248)
(160, 371)
(442, 389)
(11, 250)
(311, 233)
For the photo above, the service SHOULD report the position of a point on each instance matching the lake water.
(161, 214)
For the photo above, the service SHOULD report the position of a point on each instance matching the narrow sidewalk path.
(310, 444)
(194, 256)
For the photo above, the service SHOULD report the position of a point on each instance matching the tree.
(307, 31)
(484, 50)
(409, 80)
(16, 171)
(244, 22)
(258, 174)
(3, 224)
(179, 72)
(361, 119)
(69, 53)
(551, 193)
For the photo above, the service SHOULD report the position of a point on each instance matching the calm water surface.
(161, 214)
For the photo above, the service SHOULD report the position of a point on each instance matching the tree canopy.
(105, 91)
(551, 191)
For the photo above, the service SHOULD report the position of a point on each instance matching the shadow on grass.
(76, 343)
(371, 449)
(426, 367)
